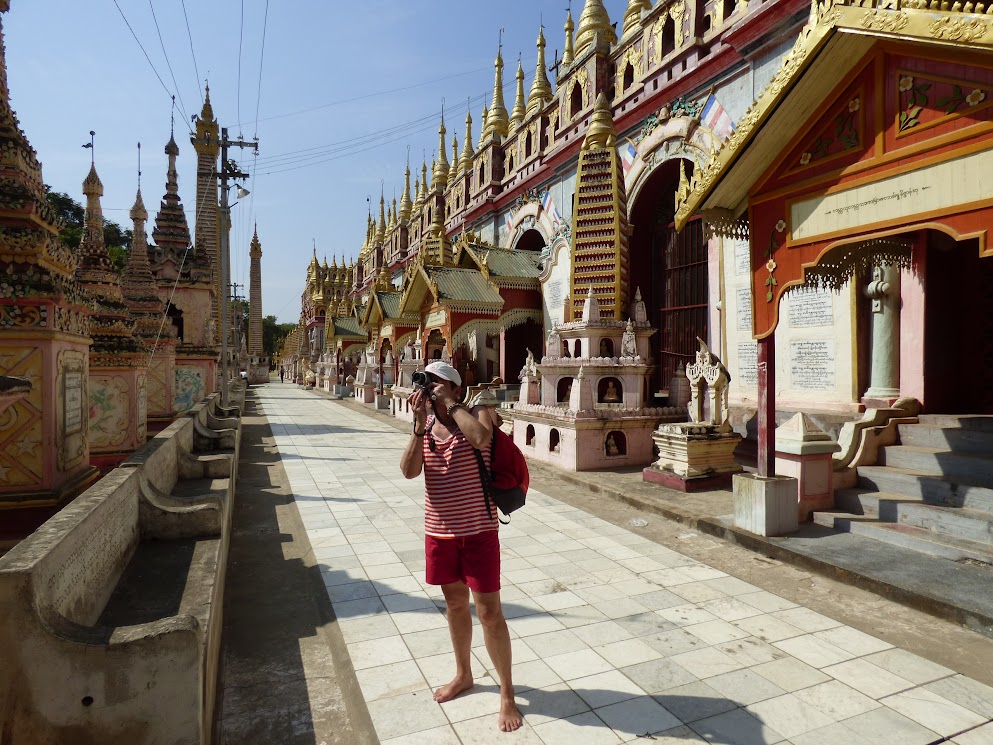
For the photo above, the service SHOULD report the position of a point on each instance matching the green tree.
(274, 332)
(72, 215)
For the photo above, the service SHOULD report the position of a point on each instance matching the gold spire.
(455, 154)
(541, 89)
(255, 248)
(567, 54)
(497, 121)
(393, 213)
(423, 193)
(465, 162)
(520, 105)
(405, 204)
(601, 132)
(439, 171)
(594, 19)
(381, 225)
(632, 16)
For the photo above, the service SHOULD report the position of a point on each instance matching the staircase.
(932, 493)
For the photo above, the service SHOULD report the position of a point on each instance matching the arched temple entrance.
(670, 267)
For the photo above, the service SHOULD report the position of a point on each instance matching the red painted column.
(767, 405)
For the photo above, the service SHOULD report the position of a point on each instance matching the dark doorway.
(958, 327)
(531, 240)
(671, 270)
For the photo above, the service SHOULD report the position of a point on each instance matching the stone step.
(907, 483)
(907, 536)
(972, 525)
(975, 422)
(956, 439)
(953, 466)
(871, 503)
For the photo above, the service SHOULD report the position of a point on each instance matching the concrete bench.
(111, 612)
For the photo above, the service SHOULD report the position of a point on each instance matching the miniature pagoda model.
(584, 406)
(699, 454)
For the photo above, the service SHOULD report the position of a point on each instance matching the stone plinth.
(804, 453)
(765, 505)
(365, 393)
(587, 440)
(693, 456)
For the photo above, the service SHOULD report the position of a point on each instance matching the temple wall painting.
(190, 386)
(109, 412)
(21, 425)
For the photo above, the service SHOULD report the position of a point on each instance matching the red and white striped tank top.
(454, 504)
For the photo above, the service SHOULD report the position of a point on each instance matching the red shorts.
(473, 559)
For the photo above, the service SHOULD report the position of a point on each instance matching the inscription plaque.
(811, 307)
(744, 308)
(73, 382)
(812, 364)
(748, 371)
(435, 318)
(553, 293)
(742, 257)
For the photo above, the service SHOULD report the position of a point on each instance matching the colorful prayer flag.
(628, 153)
(716, 119)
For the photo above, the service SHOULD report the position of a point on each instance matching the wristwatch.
(453, 407)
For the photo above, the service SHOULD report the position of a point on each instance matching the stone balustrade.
(112, 610)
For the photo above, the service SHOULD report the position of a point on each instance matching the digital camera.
(420, 379)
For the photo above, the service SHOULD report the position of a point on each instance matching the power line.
(189, 34)
(149, 59)
(241, 39)
(182, 105)
(412, 126)
(258, 94)
(373, 94)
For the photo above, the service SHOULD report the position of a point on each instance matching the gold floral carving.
(583, 78)
(889, 22)
(676, 13)
(961, 29)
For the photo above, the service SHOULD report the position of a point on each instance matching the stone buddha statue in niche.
(611, 395)
(612, 448)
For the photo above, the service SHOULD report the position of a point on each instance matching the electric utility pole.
(229, 170)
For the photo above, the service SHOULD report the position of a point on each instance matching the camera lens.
(419, 379)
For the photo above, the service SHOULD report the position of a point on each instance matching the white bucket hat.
(444, 371)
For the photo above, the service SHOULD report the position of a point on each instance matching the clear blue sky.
(335, 73)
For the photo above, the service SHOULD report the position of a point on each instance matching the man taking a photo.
(461, 542)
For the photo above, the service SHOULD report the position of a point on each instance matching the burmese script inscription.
(933, 187)
(744, 308)
(82, 583)
(810, 307)
(748, 371)
(73, 382)
(812, 364)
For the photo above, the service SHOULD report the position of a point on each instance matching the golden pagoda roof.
(593, 20)
(497, 121)
(541, 89)
(520, 104)
(601, 132)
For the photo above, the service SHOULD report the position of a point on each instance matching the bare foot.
(510, 716)
(451, 690)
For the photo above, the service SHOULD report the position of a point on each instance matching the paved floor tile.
(935, 712)
(614, 637)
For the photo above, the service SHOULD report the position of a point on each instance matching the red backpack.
(506, 483)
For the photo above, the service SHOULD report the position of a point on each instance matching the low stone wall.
(112, 610)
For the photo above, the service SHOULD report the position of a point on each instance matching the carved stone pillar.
(884, 291)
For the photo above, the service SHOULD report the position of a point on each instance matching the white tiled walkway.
(614, 636)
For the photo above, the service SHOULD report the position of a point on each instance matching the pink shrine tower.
(45, 317)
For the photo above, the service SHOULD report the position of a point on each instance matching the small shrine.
(698, 454)
(584, 406)
(147, 309)
(45, 317)
(411, 361)
(118, 364)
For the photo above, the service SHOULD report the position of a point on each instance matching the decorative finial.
(91, 145)
(139, 166)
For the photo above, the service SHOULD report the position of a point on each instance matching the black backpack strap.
(487, 483)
